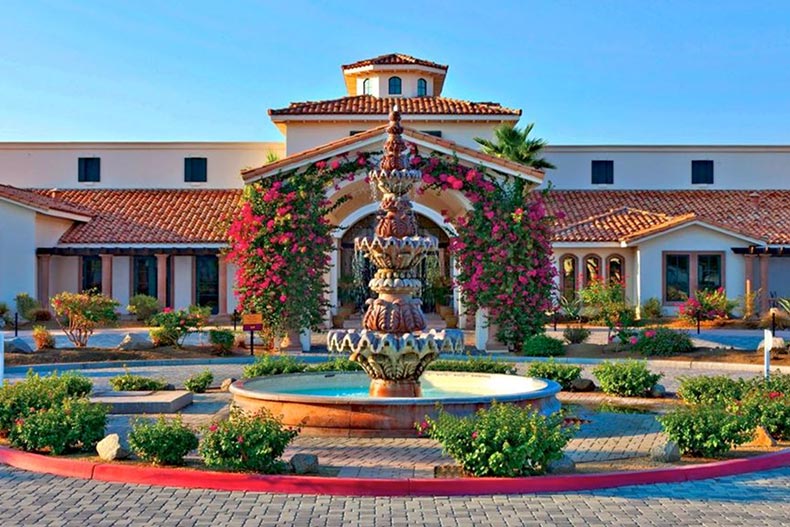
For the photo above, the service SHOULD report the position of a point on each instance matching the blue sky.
(605, 72)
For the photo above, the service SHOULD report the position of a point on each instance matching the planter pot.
(451, 321)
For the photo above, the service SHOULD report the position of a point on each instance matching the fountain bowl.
(338, 404)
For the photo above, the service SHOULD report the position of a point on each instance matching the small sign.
(252, 322)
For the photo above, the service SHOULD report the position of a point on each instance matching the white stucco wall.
(379, 83)
(182, 281)
(129, 165)
(64, 274)
(49, 230)
(691, 239)
(121, 280)
(17, 252)
(670, 167)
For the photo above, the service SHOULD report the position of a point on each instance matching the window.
(89, 169)
(592, 268)
(144, 276)
(702, 172)
(616, 269)
(602, 172)
(366, 87)
(677, 282)
(568, 276)
(422, 87)
(708, 272)
(435, 133)
(207, 282)
(91, 273)
(394, 86)
(195, 170)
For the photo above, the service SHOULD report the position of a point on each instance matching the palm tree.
(513, 143)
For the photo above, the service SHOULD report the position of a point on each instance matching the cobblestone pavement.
(32, 499)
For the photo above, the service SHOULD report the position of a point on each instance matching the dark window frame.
(395, 83)
(702, 172)
(693, 272)
(602, 172)
(195, 170)
(88, 276)
(422, 87)
(89, 169)
(569, 283)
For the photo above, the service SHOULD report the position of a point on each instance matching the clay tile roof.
(367, 104)
(623, 215)
(159, 216)
(41, 200)
(394, 58)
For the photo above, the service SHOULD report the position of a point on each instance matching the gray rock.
(17, 345)
(658, 391)
(225, 386)
(777, 347)
(304, 463)
(169, 387)
(563, 465)
(668, 452)
(135, 342)
(110, 448)
(582, 385)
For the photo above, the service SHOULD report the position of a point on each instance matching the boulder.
(110, 448)
(564, 465)
(667, 452)
(169, 388)
(17, 345)
(135, 342)
(582, 385)
(658, 391)
(225, 386)
(304, 463)
(778, 346)
(762, 438)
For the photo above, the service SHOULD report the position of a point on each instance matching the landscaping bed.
(70, 355)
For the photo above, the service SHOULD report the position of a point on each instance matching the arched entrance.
(356, 271)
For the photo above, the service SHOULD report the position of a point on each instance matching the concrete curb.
(228, 481)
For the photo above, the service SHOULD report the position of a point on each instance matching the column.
(106, 274)
(44, 261)
(766, 291)
(481, 329)
(748, 275)
(222, 285)
(334, 281)
(161, 279)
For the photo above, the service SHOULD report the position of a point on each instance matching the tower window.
(195, 170)
(394, 86)
(422, 88)
(702, 172)
(366, 87)
(89, 169)
(602, 172)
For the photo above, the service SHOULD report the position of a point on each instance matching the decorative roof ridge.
(396, 59)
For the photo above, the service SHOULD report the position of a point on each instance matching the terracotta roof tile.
(41, 200)
(591, 215)
(151, 216)
(394, 58)
(370, 105)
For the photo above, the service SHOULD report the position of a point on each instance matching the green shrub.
(73, 424)
(336, 364)
(25, 305)
(564, 374)
(162, 442)
(662, 342)
(253, 442)
(174, 326)
(40, 315)
(542, 346)
(711, 389)
(474, 365)
(136, 383)
(706, 430)
(504, 440)
(652, 309)
(199, 382)
(273, 365)
(707, 305)
(629, 378)
(43, 338)
(164, 336)
(576, 334)
(75, 384)
(143, 307)
(221, 339)
(78, 314)
(769, 409)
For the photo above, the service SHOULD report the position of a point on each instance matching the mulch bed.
(65, 355)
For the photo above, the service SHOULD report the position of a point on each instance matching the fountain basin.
(338, 404)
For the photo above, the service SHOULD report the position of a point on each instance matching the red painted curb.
(229, 481)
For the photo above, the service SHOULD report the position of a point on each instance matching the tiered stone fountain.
(393, 347)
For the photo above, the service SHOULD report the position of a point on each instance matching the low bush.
(707, 305)
(73, 424)
(652, 309)
(474, 365)
(564, 374)
(199, 382)
(336, 364)
(782, 320)
(40, 315)
(136, 383)
(504, 440)
(662, 341)
(143, 307)
(769, 409)
(246, 442)
(25, 305)
(706, 430)
(542, 346)
(172, 327)
(75, 385)
(711, 389)
(576, 334)
(162, 442)
(43, 338)
(78, 314)
(164, 336)
(222, 340)
(273, 365)
(629, 378)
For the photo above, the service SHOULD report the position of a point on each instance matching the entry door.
(207, 282)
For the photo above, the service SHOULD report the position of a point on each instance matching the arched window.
(366, 87)
(592, 268)
(568, 276)
(615, 269)
(422, 88)
(394, 86)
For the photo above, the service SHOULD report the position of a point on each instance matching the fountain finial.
(393, 146)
